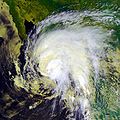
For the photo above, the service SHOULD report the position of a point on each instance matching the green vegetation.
(36, 10)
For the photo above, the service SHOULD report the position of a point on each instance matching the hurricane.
(69, 58)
